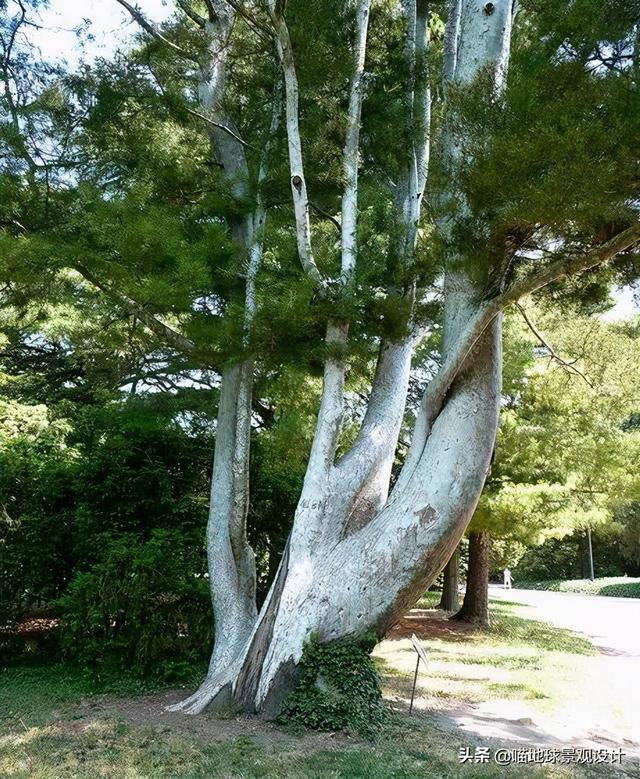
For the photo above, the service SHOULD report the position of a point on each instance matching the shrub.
(142, 608)
(337, 688)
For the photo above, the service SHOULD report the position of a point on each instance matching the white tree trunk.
(355, 558)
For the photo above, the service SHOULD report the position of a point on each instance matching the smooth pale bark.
(450, 583)
(296, 165)
(348, 567)
(349, 207)
(231, 560)
(475, 606)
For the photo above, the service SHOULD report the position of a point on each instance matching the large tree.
(435, 176)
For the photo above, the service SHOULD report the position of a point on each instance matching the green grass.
(614, 586)
(30, 695)
(516, 659)
(101, 750)
(46, 734)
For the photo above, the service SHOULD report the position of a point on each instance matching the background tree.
(571, 401)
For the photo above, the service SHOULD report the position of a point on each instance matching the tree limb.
(572, 265)
(326, 215)
(146, 25)
(219, 126)
(170, 336)
(552, 352)
(193, 15)
(296, 165)
(436, 391)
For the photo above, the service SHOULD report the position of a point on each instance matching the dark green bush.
(142, 608)
(338, 688)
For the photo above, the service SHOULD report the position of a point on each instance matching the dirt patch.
(430, 624)
(150, 711)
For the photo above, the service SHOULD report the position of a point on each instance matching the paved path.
(612, 624)
(602, 710)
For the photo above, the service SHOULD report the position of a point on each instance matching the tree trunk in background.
(449, 599)
(475, 607)
(592, 575)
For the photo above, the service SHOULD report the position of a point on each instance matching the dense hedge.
(141, 609)
(618, 587)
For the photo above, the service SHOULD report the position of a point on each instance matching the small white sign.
(420, 648)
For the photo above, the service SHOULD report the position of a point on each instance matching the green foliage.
(70, 487)
(615, 587)
(140, 608)
(337, 688)
(565, 451)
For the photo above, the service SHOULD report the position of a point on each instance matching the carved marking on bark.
(426, 515)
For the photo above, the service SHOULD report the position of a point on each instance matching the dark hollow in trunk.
(475, 607)
(449, 599)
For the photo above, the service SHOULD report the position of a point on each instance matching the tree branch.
(170, 336)
(193, 15)
(436, 391)
(146, 25)
(326, 215)
(552, 352)
(219, 126)
(351, 154)
(296, 165)
(570, 266)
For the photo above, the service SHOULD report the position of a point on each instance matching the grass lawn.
(613, 586)
(516, 659)
(58, 723)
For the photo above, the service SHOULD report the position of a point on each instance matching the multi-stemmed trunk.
(359, 555)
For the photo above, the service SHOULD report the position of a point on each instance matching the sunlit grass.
(516, 659)
(49, 729)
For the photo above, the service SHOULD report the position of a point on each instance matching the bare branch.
(552, 352)
(256, 25)
(326, 215)
(219, 126)
(146, 25)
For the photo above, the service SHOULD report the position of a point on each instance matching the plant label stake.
(421, 655)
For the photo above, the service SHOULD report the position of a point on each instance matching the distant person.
(507, 579)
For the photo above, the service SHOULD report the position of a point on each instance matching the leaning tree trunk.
(449, 598)
(475, 606)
